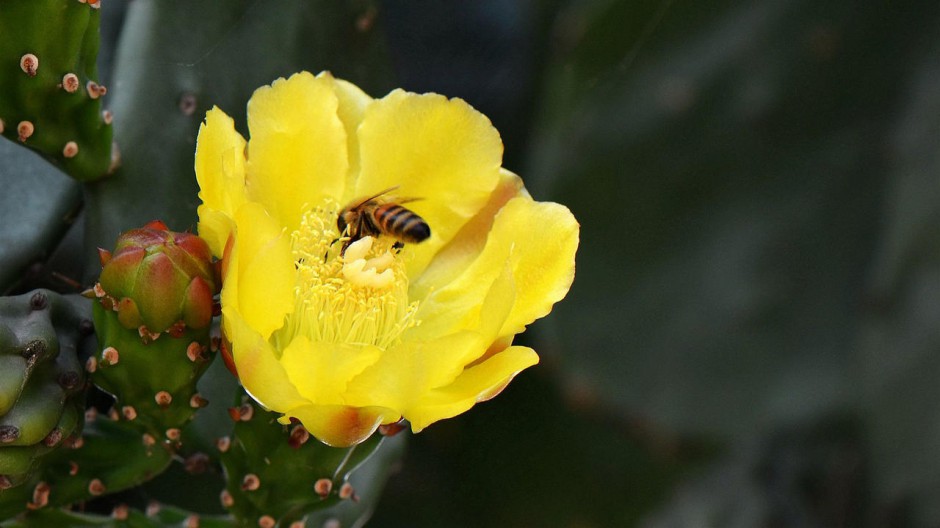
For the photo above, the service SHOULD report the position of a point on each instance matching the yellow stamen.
(357, 298)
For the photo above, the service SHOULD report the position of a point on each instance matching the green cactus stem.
(41, 379)
(261, 460)
(108, 457)
(154, 383)
(51, 102)
(155, 516)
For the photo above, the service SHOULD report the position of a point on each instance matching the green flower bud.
(158, 279)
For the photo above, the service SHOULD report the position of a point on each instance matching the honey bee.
(375, 216)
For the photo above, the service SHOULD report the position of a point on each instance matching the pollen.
(358, 296)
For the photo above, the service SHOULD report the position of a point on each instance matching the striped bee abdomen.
(401, 223)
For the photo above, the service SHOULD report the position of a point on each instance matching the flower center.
(359, 297)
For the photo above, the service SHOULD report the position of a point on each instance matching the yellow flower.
(347, 340)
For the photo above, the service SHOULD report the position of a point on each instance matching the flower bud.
(156, 278)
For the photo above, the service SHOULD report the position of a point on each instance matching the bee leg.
(326, 254)
(398, 245)
(346, 244)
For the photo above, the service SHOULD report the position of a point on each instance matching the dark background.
(751, 339)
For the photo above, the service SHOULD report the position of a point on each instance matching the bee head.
(342, 221)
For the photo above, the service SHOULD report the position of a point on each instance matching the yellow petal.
(459, 253)
(539, 240)
(260, 279)
(408, 370)
(220, 172)
(542, 238)
(478, 383)
(442, 151)
(320, 371)
(352, 106)
(297, 153)
(258, 368)
(482, 309)
(339, 425)
(498, 304)
(214, 227)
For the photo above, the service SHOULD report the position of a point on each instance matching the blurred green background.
(752, 335)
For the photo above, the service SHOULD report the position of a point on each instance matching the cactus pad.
(41, 379)
(261, 462)
(51, 102)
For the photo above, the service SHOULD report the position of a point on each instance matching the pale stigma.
(368, 272)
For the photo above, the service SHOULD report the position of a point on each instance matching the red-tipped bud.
(156, 278)
(104, 256)
(128, 313)
(197, 304)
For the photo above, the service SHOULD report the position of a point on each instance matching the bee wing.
(396, 199)
(376, 195)
(358, 203)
